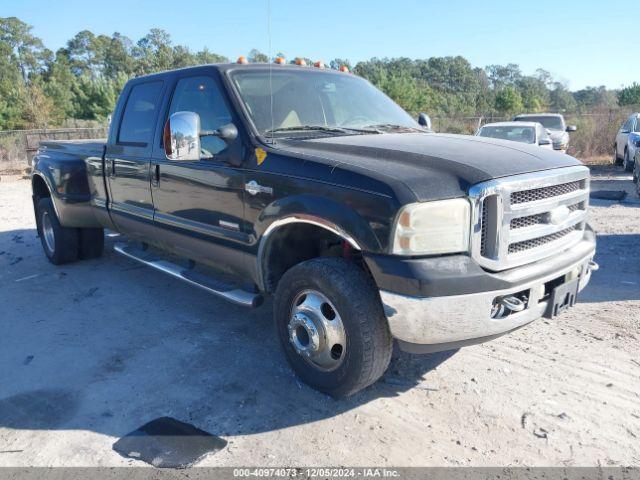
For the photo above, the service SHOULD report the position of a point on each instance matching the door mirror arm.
(228, 132)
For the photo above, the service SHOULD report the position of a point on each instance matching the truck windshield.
(552, 122)
(318, 102)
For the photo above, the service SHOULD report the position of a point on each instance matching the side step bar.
(209, 284)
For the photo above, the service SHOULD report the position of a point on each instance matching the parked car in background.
(523, 132)
(555, 125)
(627, 142)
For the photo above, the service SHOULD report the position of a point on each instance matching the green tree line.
(41, 88)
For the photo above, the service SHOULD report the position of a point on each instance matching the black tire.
(91, 243)
(616, 159)
(64, 248)
(626, 163)
(368, 341)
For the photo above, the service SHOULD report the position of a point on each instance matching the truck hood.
(432, 166)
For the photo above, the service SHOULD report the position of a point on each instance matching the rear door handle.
(155, 180)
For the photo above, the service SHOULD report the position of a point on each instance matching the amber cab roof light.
(242, 60)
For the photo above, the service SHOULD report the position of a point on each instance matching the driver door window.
(202, 96)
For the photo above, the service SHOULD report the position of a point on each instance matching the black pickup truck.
(312, 186)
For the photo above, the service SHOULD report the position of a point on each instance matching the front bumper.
(428, 324)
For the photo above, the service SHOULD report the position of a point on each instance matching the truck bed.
(81, 148)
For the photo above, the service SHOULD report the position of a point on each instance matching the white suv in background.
(627, 141)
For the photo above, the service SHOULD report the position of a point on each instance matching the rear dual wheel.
(65, 244)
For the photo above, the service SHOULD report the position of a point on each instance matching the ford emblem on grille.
(558, 215)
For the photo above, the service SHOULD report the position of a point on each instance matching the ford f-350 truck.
(315, 188)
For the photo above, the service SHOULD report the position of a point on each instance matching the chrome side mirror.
(181, 137)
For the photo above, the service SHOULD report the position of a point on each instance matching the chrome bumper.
(441, 323)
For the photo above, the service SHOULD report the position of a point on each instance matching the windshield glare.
(516, 134)
(550, 122)
(315, 98)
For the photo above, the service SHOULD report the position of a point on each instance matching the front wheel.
(626, 163)
(332, 326)
(616, 159)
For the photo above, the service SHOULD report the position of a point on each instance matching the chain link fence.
(594, 137)
(17, 147)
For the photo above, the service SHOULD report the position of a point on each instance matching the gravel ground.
(93, 350)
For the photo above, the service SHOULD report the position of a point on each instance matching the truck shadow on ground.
(619, 276)
(107, 345)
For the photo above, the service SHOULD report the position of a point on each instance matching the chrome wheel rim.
(316, 331)
(47, 231)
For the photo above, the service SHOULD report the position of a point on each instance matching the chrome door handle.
(253, 188)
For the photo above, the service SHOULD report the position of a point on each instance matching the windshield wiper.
(318, 128)
(304, 128)
(393, 126)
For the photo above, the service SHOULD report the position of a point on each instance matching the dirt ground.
(93, 350)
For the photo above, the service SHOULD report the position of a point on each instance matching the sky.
(583, 43)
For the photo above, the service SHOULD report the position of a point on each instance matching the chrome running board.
(207, 283)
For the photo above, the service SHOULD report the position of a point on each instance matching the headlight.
(433, 227)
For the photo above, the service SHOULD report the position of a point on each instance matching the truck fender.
(68, 188)
(315, 210)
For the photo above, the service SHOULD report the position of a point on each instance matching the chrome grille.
(535, 194)
(538, 242)
(523, 222)
(484, 220)
(524, 218)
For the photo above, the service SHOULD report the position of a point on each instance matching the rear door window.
(139, 117)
